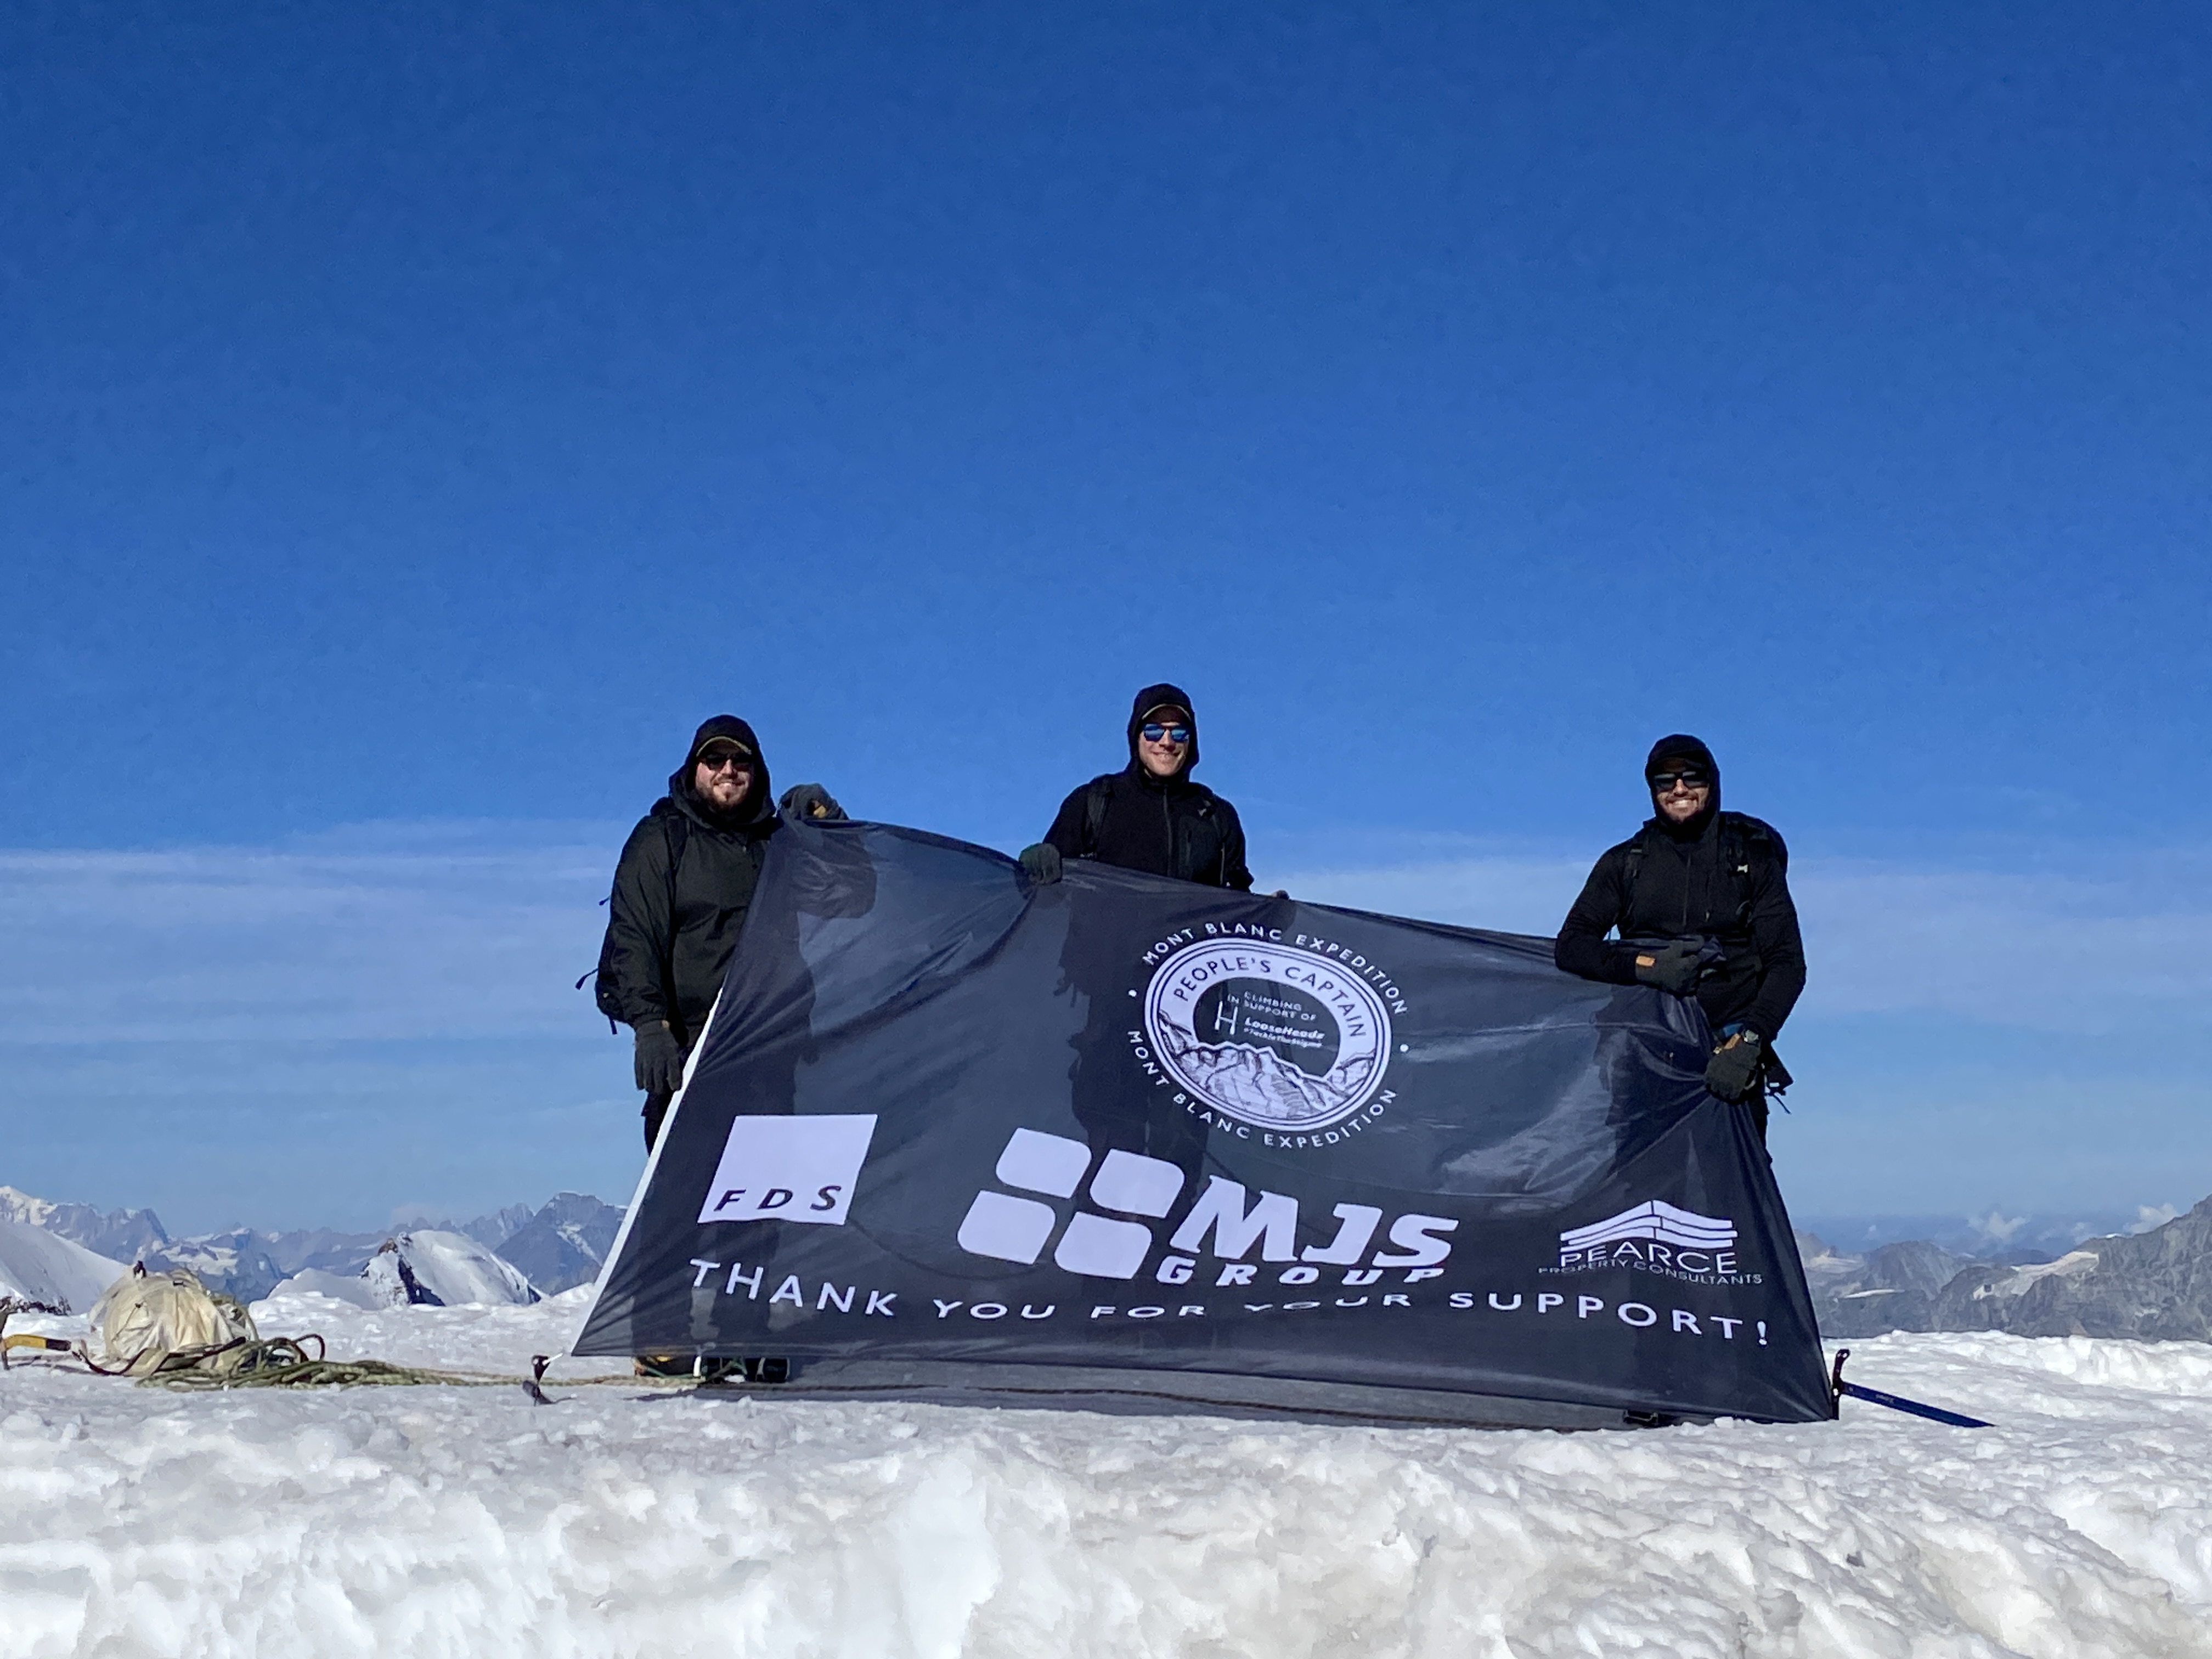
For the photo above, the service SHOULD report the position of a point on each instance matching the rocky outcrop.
(233, 1262)
(495, 1229)
(2154, 1286)
(565, 1242)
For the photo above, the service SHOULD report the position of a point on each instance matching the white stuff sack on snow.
(143, 1318)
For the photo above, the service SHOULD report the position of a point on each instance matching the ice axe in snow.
(23, 1341)
(34, 1344)
(1896, 1402)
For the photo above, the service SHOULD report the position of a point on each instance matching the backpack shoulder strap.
(1747, 844)
(677, 834)
(678, 831)
(1097, 797)
(1632, 865)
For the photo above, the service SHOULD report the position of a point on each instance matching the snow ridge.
(45, 1269)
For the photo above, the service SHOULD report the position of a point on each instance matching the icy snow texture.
(37, 1266)
(354, 1290)
(437, 1522)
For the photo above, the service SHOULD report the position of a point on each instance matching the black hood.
(1154, 697)
(1681, 745)
(759, 802)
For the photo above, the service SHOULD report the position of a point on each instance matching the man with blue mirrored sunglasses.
(1150, 815)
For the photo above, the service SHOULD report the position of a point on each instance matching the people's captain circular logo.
(1273, 1036)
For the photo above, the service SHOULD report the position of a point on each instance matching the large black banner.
(1210, 1143)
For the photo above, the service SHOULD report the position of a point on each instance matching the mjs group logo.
(1287, 1035)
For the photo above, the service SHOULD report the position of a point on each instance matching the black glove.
(660, 1058)
(812, 802)
(1733, 1072)
(1672, 967)
(1040, 863)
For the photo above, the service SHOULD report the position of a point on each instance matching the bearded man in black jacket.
(1149, 816)
(1701, 899)
(682, 888)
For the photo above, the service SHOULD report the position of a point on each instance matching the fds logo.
(1101, 1242)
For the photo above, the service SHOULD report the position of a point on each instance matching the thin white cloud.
(2052, 951)
(444, 932)
(2036, 949)
(400, 935)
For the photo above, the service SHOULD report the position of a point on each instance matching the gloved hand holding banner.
(1206, 1146)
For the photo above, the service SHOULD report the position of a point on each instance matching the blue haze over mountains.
(556, 1246)
(2030, 1276)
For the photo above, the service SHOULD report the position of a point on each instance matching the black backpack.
(1098, 795)
(1748, 847)
(678, 835)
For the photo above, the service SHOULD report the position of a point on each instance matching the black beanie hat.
(731, 729)
(728, 727)
(1163, 695)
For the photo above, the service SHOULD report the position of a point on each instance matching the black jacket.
(1722, 877)
(670, 935)
(1170, 827)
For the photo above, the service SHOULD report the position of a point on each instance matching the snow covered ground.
(469, 1522)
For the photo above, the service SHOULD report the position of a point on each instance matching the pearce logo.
(1273, 1035)
(1654, 1235)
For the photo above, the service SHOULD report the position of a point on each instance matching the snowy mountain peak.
(495, 1229)
(22, 1206)
(434, 1268)
(551, 1248)
(2155, 1285)
(565, 1242)
(42, 1269)
(123, 1234)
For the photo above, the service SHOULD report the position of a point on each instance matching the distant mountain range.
(1993, 1238)
(2030, 1277)
(555, 1248)
(2154, 1285)
(117, 1233)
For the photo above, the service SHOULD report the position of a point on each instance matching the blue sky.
(414, 421)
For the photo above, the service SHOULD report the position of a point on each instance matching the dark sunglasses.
(1689, 778)
(1154, 731)
(727, 760)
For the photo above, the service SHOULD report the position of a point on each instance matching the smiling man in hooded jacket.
(1701, 900)
(1149, 816)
